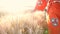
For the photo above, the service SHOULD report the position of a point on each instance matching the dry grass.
(28, 23)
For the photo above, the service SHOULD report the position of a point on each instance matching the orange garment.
(41, 4)
(54, 12)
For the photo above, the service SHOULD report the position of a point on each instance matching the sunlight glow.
(14, 6)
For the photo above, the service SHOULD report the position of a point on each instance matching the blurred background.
(18, 6)
(14, 6)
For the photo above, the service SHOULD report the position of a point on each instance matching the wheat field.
(25, 23)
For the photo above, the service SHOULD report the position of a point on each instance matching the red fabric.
(54, 12)
(42, 6)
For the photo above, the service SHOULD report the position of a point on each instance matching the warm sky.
(16, 5)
